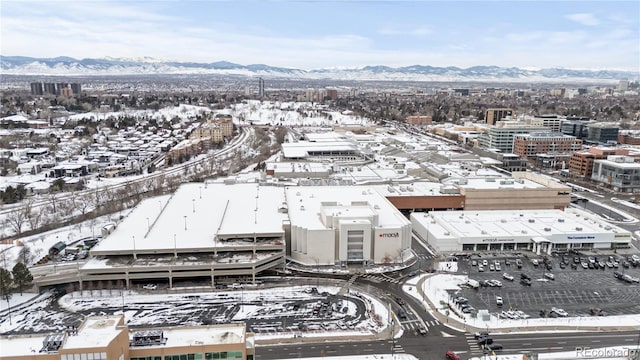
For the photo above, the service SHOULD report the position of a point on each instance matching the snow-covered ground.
(291, 114)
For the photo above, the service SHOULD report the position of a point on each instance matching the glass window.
(83, 356)
(183, 357)
(191, 356)
(76, 356)
(198, 356)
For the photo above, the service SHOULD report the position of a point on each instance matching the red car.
(450, 355)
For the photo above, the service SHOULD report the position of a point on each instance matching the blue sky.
(319, 34)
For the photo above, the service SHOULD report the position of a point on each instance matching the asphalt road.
(434, 347)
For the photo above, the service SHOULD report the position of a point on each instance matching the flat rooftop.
(199, 335)
(490, 183)
(21, 345)
(195, 214)
(519, 223)
(95, 332)
(306, 203)
(302, 149)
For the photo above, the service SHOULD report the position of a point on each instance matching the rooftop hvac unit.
(547, 229)
(484, 232)
(446, 233)
(524, 231)
(503, 221)
(560, 220)
(467, 222)
(608, 227)
(302, 207)
(532, 220)
(578, 228)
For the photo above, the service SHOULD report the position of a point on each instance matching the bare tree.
(16, 220)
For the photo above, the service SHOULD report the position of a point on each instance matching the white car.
(499, 301)
(507, 277)
(495, 283)
(485, 262)
(550, 276)
(559, 312)
(535, 262)
(150, 286)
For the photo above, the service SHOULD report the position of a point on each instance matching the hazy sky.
(314, 34)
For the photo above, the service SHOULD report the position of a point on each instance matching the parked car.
(525, 276)
(492, 267)
(150, 286)
(550, 276)
(507, 277)
(499, 301)
(495, 283)
(596, 312)
(584, 265)
(535, 262)
(525, 282)
(481, 268)
(617, 274)
(485, 262)
(559, 312)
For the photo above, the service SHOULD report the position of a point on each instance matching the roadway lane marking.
(561, 342)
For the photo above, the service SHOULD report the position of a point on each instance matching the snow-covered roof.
(205, 335)
(195, 214)
(302, 149)
(95, 332)
(21, 344)
(305, 203)
(509, 223)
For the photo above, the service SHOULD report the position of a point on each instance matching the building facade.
(109, 338)
(602, 133)
(540, 231)
(493, 115)
(501, 137)
(581, 162)
(528, 146)
(618, 172)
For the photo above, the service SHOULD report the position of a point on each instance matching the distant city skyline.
(311, 34)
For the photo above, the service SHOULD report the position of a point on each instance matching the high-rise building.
(260, 87)
(623, 85)
(37, 88)
(491, 116)
(332, 93)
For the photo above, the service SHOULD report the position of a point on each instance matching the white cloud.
(586, 19)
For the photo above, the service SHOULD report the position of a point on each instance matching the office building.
(493, 115)
(501, 137)
(260, 87)
(581, 162)
(109, 338)
(617, 172)
(577, 128)
(602, 133)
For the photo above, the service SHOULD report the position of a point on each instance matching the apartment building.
(581, 162)
(493, 115)
(419, 120)
(528, 146)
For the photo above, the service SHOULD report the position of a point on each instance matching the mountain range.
(67, 66)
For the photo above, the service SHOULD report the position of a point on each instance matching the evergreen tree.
(21, 276)
(6, 283)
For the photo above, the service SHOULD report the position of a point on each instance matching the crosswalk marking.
(381, 278)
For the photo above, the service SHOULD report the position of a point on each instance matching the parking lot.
(577, 291)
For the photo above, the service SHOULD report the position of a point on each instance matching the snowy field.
(291, 114)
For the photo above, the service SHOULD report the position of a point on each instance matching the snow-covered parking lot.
(269, 312)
